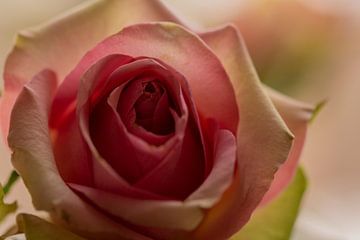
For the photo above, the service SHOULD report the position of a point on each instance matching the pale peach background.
(332, 153)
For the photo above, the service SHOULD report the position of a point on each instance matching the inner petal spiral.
(152, 109)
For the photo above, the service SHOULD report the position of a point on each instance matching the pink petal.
(296, 116)
(263, 140)
(181, 172)
(60, 43)
(71, 157)
(97, 82)
(130, 156)
(149, 213)
(125, 107)
(222, 173)
(179, 48)
(173, 214)
(29, 138)
(29, 119)
(166, 171)
(105, 67)
(110, 139)
(162, 119)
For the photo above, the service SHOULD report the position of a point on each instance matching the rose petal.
(181, 172)
(127, 154)
(221, 175)
(125, 107)
(29, 120)
(95, 85)
(173, 214)
(296, 116)
(71, 156)
(149, 213)
(61, 43)
(32, 157)
(113, 181)
(263, 140)
(105, 67)
(178, 48)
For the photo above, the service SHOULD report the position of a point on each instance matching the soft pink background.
(332, 154)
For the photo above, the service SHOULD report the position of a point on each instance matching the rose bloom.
(126, 124)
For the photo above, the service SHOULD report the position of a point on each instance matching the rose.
(179, 103)
(303, 45)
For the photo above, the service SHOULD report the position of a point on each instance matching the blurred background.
(308, 49)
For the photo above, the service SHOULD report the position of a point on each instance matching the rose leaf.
(36, 228)
(5, 209)
(14, 176)
(275, 220)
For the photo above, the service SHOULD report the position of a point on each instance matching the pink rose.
(155, 132)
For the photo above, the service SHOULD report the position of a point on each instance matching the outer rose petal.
(61, 43)
(263, 140)
(296, 116)
(33, 158)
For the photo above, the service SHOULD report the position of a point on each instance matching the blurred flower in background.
(308, 49)
(287, 40)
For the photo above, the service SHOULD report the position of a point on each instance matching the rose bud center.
(152, 109)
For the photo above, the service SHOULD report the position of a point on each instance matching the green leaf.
(5, 209)
(14, 176)
(36, 228)
(275, 220)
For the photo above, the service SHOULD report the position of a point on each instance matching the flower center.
(152, 109)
